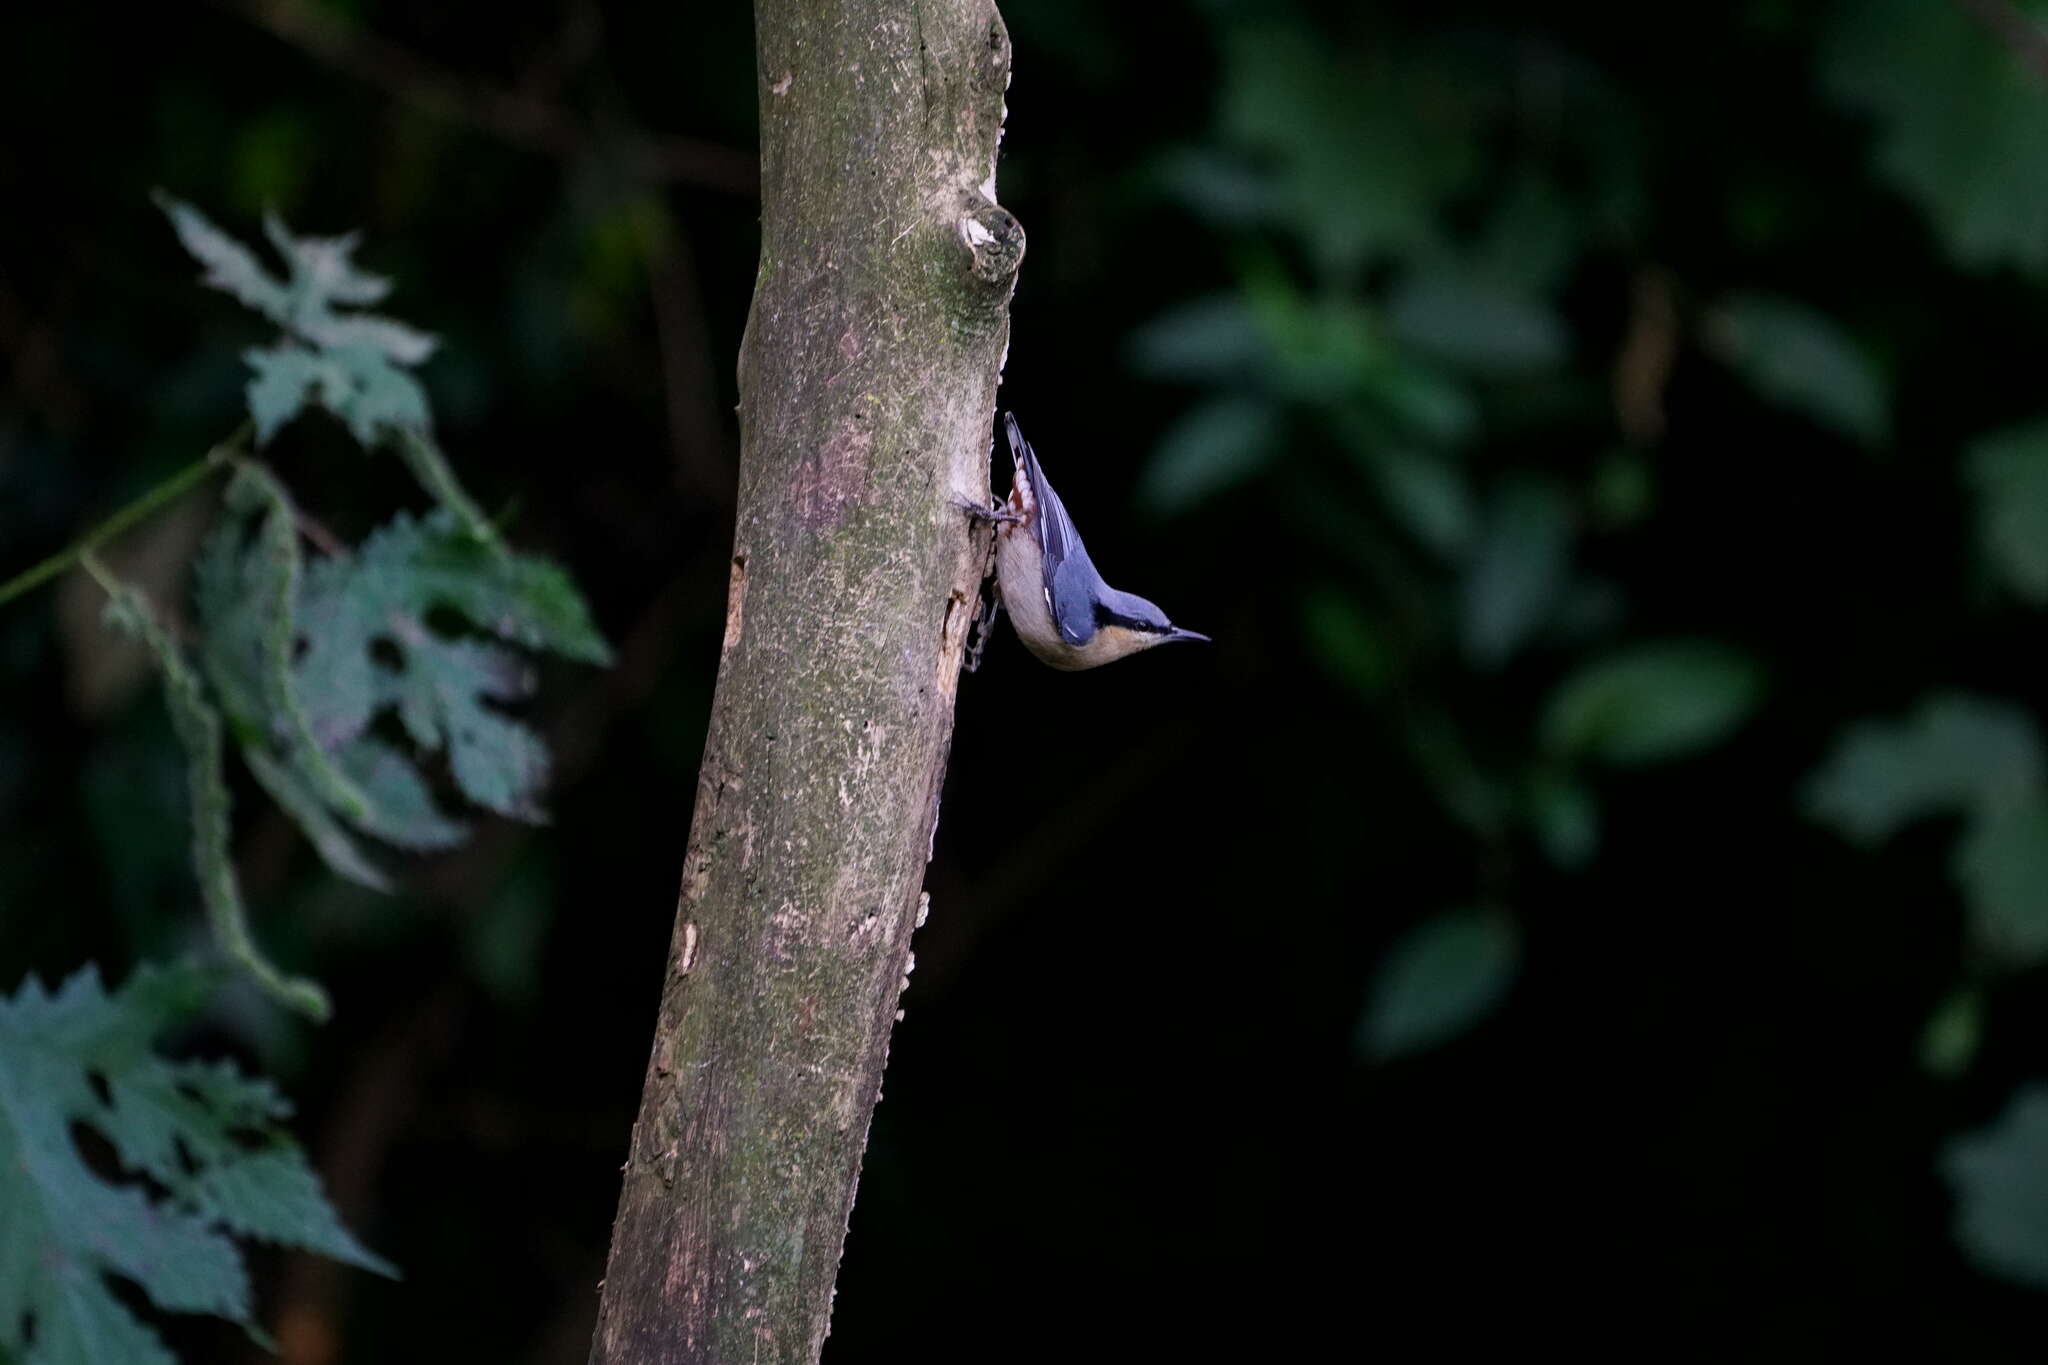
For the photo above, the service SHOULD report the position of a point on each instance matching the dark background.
(1689, 316)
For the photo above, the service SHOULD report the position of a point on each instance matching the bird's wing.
(1070, 592)
(1070, 576)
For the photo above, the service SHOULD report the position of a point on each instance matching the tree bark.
(867, 389)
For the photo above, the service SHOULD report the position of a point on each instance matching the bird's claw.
(995, 512)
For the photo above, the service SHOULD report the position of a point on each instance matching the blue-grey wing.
(1071, 585)
(1071, 582)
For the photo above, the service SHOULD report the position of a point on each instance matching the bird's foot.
(996, 512)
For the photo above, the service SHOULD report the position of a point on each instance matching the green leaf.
(248, 603)
(1361, 154)
(1219, 444)
(2000, 1177)
(402, 807)
(1651, 703)
(230, 267)
(296, 797)
(1426, 401)
(206, 1137)
(286, 376)
(322, 275)
(247, 590)
(1424, 491)
(1950, 1038)
(2009, 473)
(1472, 321)
(1962, 122)
(350, 363)
(372, 397)
(2002, 864)
(1516, 575)
(1794, 356)
(1218, 187)
(1208, 341)
(1566, 820)
(322, 270)
(1956, 753)
(1439, 981)
(1423, 488)
(386, 596)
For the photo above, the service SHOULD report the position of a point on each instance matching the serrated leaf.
(2009, 474)
(247, 592)
(2000, 1177)
(1955, 753)
(386, 338)
(322, 275)
(322, 267)
(1651, 703)
(285, 377)
(230, 266)
(274, 1196)
(403, 812)
(349, 362)
(1439, 981)
(1796, 357)
(440, 687)
(64, 1228)
(373, 398)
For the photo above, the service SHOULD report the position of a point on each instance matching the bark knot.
(995, 239)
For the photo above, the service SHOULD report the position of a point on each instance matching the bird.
(1059, 605)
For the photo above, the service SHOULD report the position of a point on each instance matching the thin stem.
(171, 488)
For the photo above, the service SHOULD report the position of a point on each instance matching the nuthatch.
(1063, 611)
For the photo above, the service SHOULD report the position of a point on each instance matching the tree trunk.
(867, 389)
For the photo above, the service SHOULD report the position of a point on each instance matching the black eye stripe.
(1105, 617)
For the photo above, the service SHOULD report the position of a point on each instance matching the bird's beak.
(1179, 634)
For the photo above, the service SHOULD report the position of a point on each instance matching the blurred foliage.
(1962, 127)
(206, 1138)
(1412, 234)
(292, 665)
(1438, 981)
(1605, 444)
(2002, 1189)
